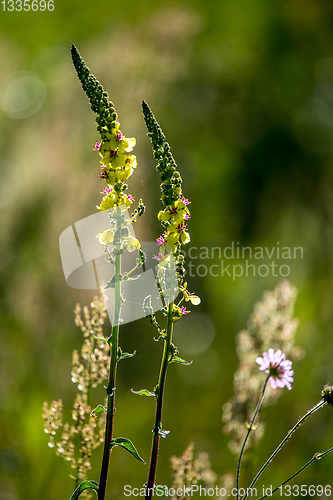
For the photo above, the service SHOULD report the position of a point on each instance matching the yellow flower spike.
(106, 238)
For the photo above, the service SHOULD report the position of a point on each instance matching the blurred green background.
(244, 92)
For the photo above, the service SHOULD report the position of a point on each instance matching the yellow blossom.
(194, 299)
(106, 238)
(174, 214)
(177, 234)
(113, 199)
(132, 244)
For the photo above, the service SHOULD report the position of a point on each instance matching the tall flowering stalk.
(171, 272)
(117, 165)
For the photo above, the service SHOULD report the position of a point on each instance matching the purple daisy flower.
(278, 367)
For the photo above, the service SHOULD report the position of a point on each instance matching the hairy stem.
(111, 387)
(159, 405)
(250, 428)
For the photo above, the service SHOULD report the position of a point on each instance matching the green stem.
(298, 423)
(111, 387)
(159, 405)
(316, 456)
(250, 428)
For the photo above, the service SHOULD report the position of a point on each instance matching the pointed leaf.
(128, 445)
(86, 485)
(99, 409)
(176, 359)
(144, 392)
(125, 355)
(102, 339)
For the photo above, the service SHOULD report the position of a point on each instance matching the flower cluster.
(173, 219)
(89, 368)
(176, 213)
(271, 325)
(117, 164)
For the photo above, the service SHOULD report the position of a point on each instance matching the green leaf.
(176, 359)
(102, 339)
(128, 445)
(86, 485)
(144, 392)
(99, 409)
(124, 355)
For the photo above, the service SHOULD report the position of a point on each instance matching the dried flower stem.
(298, 423)
(316, 456)
(250, 428)
(111, 387)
